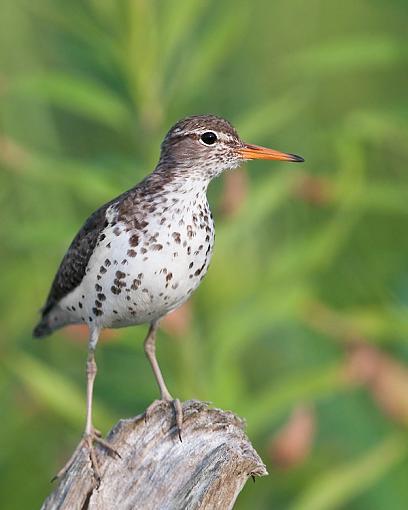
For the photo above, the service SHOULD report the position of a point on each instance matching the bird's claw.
(178, 411)
(87, 443)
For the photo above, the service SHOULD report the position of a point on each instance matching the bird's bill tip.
(249, 151)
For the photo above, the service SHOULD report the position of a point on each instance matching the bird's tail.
(52, 318)
(43, 328)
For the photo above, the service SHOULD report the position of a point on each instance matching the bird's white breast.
(137, 276)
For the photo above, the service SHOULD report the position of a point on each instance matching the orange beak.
(249, 151)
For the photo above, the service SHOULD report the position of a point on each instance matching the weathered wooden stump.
(156, 471)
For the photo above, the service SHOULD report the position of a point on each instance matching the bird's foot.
(178, 411)
(87, 443)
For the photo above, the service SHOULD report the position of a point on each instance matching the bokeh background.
(301, 325)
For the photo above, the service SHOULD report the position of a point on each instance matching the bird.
(142, 254)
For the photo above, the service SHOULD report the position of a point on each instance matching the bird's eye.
(209, 138)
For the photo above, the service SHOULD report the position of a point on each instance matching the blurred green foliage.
(316, 256)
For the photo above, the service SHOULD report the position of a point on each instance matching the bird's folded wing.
(73, 266)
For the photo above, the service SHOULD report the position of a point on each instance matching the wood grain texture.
(206, 470)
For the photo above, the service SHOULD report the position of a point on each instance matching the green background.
(311, 261)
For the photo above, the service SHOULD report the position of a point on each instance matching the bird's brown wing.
(72, 268)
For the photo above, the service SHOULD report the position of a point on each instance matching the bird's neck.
(178, 182)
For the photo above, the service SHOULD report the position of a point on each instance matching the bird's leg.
(90, 434)
(150, 350)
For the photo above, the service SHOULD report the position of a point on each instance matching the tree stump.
(156, 471)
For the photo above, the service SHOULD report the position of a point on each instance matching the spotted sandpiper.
(142, 254)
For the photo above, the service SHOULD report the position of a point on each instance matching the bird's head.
(206, 145)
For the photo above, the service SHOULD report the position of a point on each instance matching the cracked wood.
(206, 470)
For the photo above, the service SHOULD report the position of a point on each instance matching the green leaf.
(348, 55)
(275, 400)
(336, 487)
(58, 393)
(77, 95)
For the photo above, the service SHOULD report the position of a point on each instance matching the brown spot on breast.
(107, 262)
(97, 312)
(176, 237)
(131, 253)
(201, 268)
(115, 290)
(98, 288)
(120, 275)
(169, 277)
(134, 240)
(102, 269)
(98, 303)
(139, 225)
(157, 247)
(135, 284)
(101, 297)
